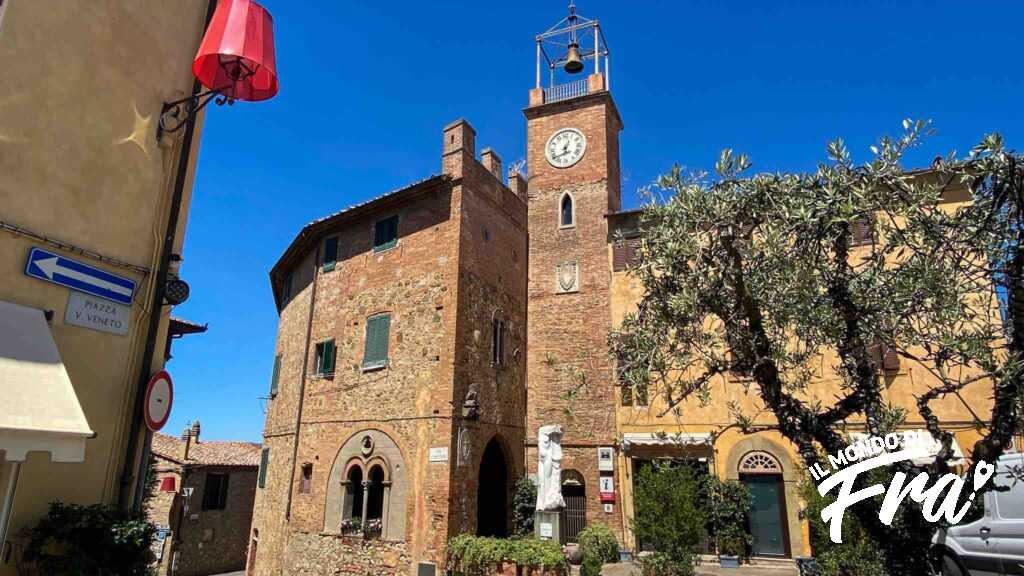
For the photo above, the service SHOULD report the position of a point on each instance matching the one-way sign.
(78, 276)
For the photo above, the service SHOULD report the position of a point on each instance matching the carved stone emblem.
(567, 277)
(367, 446)
(471, 405)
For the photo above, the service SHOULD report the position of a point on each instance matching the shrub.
(524, 504)
(591, 566)
(73, 540)
(659, 564)
(667, 512)
(726, 504)
(598, 541)
(478, 555)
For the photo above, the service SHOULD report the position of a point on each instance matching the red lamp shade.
(236, 56)
(167, 484)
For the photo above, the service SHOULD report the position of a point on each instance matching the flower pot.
(726, 561)
(625, 555)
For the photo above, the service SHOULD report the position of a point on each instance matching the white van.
(988, 542)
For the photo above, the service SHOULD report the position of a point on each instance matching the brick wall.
(569, 374)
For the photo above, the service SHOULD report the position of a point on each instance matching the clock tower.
(573, 130)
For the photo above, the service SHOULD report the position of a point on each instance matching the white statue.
(549, 468)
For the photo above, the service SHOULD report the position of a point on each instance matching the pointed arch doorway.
(492, 494)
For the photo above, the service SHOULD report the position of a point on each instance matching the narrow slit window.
(306, 486)
(497, 342)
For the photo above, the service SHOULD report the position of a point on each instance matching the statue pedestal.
(546, 525)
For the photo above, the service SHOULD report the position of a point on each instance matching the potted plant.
(731, 546)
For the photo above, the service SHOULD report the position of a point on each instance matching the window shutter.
(625, 253)
(276, 376)
(264, 461)
(329, 357)
(861, 232)
(330, 253)
(890, 358)
(385, 234)
(376, 351)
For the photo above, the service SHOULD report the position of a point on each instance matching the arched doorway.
(492, 494)
(574, 516)
(761, 473)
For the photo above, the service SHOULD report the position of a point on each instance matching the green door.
(767, 521)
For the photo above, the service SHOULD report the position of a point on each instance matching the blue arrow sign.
(78, 276)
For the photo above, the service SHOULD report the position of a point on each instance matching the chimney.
(489, 158)
(195, 431)
(186, 437)
(459, 147)
(517, 184)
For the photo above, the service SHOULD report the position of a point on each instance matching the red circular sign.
(159, 397)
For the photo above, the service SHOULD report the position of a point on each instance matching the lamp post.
(235, 61)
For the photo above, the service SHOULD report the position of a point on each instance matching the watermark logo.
(876, 452)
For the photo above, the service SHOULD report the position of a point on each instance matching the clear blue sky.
(367, 86)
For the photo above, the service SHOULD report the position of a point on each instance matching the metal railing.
(566, 91)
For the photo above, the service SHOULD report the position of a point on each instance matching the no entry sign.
(159, 396)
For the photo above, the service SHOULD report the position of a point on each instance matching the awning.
(631, 439)
(39, 410)
(925, 443)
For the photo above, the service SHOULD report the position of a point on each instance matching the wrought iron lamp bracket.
(177, 113)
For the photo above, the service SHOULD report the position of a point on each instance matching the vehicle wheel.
(950, 567)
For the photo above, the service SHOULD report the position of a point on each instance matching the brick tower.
(573, 162)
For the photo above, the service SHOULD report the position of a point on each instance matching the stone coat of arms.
(567, 277)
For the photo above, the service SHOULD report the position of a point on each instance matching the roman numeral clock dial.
(565, 147)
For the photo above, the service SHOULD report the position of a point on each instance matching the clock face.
(565, 147)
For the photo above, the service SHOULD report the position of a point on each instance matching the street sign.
(97, 314)
(159, 397)
(439, 454)
(78, 276)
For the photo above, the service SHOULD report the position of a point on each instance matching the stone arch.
(567, 202)
(494, 487)
(383, 453)
(759, 457)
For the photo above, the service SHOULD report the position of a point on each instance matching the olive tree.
(768, 274)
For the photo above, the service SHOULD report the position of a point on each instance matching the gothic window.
(366, 488)
(354, 494)
(566, 212)
(759, 462)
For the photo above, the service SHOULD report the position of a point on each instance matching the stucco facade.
(83, 175)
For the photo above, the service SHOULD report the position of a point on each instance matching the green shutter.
(329, 357)
(377, 332)
(276, 376)
(264, 460)
(385, 234)
(330, 253)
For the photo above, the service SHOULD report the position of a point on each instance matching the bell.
(573, 63)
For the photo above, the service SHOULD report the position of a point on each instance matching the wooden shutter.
(376, 351)
(264, 461)
(330, 253)
(276, 376)
(329, 357)
(885, 357)
(861, 232)
(385, 234)
(625, 253)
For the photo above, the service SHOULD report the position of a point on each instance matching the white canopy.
(630, 439)
(39, 410)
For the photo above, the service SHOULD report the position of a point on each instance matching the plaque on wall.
(606, 459)
(567, 277)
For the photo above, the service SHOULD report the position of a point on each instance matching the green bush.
(591, 566)
(668, 511)
(726, 504)
(731, 542)
(598, 541)
(524, 504)
(73, 540)
(659, 564)
(479, 555)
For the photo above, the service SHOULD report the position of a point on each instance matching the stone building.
(426, 335)
(203, 508)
